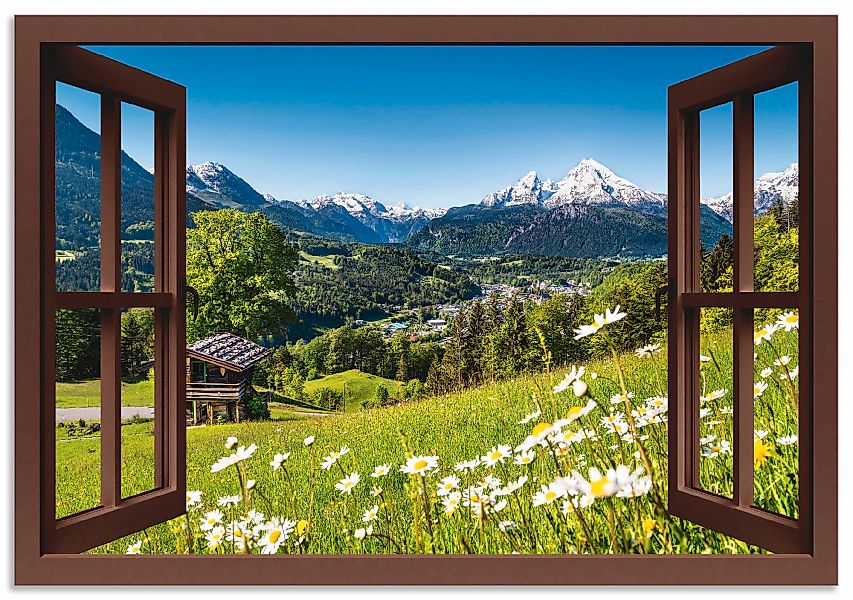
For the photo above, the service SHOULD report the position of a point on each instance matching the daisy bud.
(309, 440)
(250, 484)
(580, 388)
(230, 442)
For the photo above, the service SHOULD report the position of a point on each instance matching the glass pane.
(137, 199)
(715, 190)
(776, 394)
(716, 416)
(777, 213)
(137, 401)
(78, 189)
(78, 410)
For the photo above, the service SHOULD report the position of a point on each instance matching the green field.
(356, 385)
(88, 393)
(463, 426)
(322, 260)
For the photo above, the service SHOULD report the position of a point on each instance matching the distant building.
(437, 324)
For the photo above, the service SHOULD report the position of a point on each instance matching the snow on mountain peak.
(769, 188)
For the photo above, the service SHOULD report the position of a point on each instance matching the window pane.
(715, 190)
(716, 416)
(776, 190)
(78, 189)
(137, 401)
(137, 199)
(776, 394)
(78, 410)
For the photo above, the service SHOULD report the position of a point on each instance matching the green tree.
(241, 266)
(78, 344)
(137, 340)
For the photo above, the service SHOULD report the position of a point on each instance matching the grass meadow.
(567, 461)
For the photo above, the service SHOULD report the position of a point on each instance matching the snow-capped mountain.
(769, 188)
(588, 183)
(527, 190)
(216, 184)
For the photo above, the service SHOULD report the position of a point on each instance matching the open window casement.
(117, 85)
(738, 84)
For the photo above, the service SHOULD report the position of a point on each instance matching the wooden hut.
(219, 377)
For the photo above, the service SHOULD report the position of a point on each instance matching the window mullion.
(111, 316)
(743, 281)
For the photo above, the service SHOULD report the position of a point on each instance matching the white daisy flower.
(647, 351)
(135, 547)
(276, 532)
(381, 470)
(193, 498)
(230, 443)
(765, 333)
(758, 389)
(787, 440)
(309, 440)
(211, 520)
(419, 465)
(714, 449)
(788, 321)
(214, 537)
(534, 415)
(346, 485)
(782, 361)
(766, 372)
(278, 460)
(549, 493)
(370, 514)
(467, 465)
(496, 455)
(525, 458)
(225, 501)
(447, 485)
(451, 502)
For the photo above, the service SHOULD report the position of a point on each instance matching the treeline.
(365, 280)
(520, 269)
(83, 272)
(78, 344)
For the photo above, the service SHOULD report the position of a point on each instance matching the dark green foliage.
(137, 343)
(327, 398)
(715, 268)
(256, 408)
(241, 266)
(78, 344)
(83, 273)
(567, 231)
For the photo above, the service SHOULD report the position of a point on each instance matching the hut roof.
(229, 351)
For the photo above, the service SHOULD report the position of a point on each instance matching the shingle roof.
(229, 351)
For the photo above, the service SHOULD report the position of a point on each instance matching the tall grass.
(596, 484)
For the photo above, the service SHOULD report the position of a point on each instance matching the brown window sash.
(736, 83)
(117, 516)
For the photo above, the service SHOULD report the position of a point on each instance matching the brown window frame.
(33, 565)
(116, 83)
(736, 83)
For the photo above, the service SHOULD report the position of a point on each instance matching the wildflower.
(579, 388)
(615, 315)
(613, 418)
(418, 465)
(276, 532)
(211, 520)
(514, 486)
(309, 440)
(346, 484)
(657, 403)
(599, 485)
(135, 547)
(534, 415)
(370, 514)
(758, 389)
(193, 498)
(790, 375)
(250, 484)
(467, 465)
(496, 455)
(381, 470)
(329, 460)
(225, 501)
(244, 453)
(787, 440)
(647, 351)
(704, 359)
(447, 485)
(621, 398)
(782, 361)
(618, 427)
(223, 463)
(376, 491)
(727, 410)
(230, 442)
(715, 395)
(363, 532)
(451, 502)
(759, 433)
(760, 452)
(491, 482)
(549, 493)
(569, 379)
(639, 486)
(765, 333)
(766, 372)
(525, 458)
(507, 526)
(713, 450)
(576, 412)
(214, 537)
(789, 320)
(572, 504)
(585, 330)
(278, 460)
(649, 526)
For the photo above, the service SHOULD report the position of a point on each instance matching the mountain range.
(588, 213)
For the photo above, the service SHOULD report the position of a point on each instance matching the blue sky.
(438, 125)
